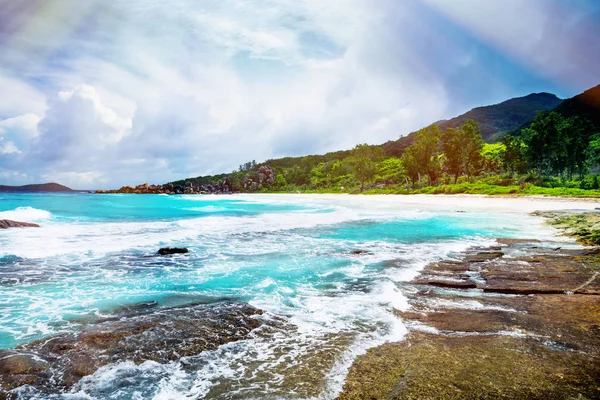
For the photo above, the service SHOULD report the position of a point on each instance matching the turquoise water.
(289, 255)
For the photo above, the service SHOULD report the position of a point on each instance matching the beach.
(328, 279)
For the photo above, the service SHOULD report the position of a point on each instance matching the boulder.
(54, 364)
(6, 223)
(172, 250)
(484, 256)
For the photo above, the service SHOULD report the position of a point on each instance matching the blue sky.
(100, 94)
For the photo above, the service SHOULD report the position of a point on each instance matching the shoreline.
(517, 320)
(590, 198)
(515, 209)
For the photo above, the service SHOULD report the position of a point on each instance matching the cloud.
(122, 92)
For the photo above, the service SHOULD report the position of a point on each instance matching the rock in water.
(172, 250)
(53, 365)
(7, 223)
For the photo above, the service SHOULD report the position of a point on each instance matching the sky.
(98, 94)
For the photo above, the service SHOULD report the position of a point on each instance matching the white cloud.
(7, 147)
(19, 97)
(126, 92)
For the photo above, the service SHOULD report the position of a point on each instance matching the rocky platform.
(7, 223)
(57, 363)
(512, 321)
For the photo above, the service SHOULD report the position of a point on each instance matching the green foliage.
(492, 155)
(391, 171)
(362, 161)
(544, 160)
(514, 160)
(422, 157)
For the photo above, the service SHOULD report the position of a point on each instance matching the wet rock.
(540, 274)
(7, 223)
(446, 283)
(357, 252)
(536, 337)
(484, 256)
(429, 366)
(20, 364)
(172, 250)
(511, 241)
(161, 336)
(583, 226)
(136, 308)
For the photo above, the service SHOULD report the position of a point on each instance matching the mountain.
(498, 119)
(43, 187)
(586, 105)
(494, 121)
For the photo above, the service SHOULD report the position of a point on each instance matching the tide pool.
(291, 256)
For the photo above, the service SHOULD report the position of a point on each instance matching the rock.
(360, 252)
(483, 256)
(429, 366)
(511, 241)
(20, 364)
(446, 283)
(55, 364)
(545, 346)
(172, 250)
(6, 223)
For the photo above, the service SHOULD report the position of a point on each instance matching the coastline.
(489, 308)
(515, 321)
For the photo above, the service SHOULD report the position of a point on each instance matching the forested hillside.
(551, 152)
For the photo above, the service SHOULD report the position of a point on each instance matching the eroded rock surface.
(522, 322)
(57, 363)
(7, 223)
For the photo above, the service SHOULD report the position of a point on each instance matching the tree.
(411, 166)
(424, 153)
(280, 181)
(544, 142)
(391, 170)
(462, 149)
(578, 134)
(452, 148)
(472, 145)
(513, 159)
(492, 155)
(363, 161)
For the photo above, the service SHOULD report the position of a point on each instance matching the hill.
(586, 105)
(498, 119)
(340, 170)
(42, 187)
(494, 120)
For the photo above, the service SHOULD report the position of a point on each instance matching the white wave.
(97, 239)
(26, 214)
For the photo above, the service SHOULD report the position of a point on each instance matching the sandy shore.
(440, 201)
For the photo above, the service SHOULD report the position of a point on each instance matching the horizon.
(107, 95)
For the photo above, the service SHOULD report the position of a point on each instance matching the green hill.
(498, 119)
(586, 105)
(43, 187)
(494, 120)
(495, 163)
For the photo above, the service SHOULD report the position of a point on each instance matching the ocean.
(328, 272)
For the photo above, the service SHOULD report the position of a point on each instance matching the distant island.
(533, 145)
(40, 187)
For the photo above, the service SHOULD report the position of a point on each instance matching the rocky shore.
(137, 334)
(7, 223)
(517, 320)
(262, 177)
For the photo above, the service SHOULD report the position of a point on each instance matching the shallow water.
(288, 255)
